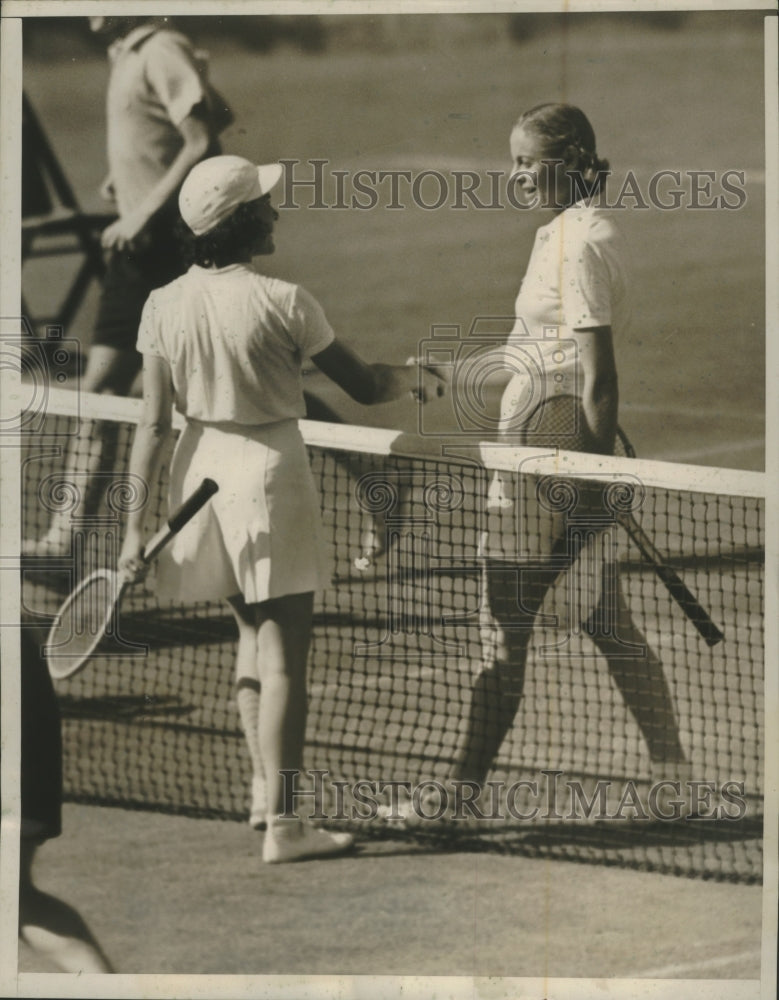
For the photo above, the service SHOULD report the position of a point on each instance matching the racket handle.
(673, 582)
(689, 605)
(179, 518)
(192, 505)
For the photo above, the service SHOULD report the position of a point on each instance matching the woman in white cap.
(225, 344)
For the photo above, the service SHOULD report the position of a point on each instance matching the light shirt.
(576, 279)
(235, 341)
(156, 80)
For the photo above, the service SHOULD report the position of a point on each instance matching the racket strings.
(82, 622)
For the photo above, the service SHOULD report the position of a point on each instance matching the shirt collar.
(226, 268)
(132, 40)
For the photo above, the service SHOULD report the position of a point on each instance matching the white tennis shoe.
(298, 841)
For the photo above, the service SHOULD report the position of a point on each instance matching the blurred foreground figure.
(52, 928)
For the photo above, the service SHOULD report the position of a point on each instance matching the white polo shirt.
(235, 341)
(156, 80)
(576, 279)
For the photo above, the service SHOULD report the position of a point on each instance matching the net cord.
(451, 449)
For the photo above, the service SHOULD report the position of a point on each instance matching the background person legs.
(92, 452)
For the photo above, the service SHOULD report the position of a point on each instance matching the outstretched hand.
(433, 381)
(444, 373)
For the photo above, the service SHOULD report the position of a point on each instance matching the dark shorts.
(155, 259)
(41, 744)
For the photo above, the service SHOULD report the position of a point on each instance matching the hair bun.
(562, 126)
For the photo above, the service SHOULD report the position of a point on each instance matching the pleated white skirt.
(260, 536)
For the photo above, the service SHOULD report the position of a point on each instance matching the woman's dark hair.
(229, 242)
(562, 126)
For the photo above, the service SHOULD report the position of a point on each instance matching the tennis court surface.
(397, 646)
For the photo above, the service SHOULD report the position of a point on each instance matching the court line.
(700, 965)
(658, 409)
(721, 447)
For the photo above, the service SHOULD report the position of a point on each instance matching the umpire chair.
(53, 225)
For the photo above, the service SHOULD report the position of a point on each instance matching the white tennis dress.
(235, 341)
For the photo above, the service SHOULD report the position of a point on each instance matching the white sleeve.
(586, 288)
(309, 328)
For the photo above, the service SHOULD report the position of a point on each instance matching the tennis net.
(397, 646)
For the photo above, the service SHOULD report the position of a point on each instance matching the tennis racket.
(90, 613)
(560, 420)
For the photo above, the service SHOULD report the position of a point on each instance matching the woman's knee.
(245, 617)
(615, 633)
(506, 625)
(504, 642)
(511, 646)
(284, 634)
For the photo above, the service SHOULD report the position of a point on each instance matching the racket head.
(558, 422)
(82, 621)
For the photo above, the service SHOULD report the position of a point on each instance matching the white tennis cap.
(215, 187)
